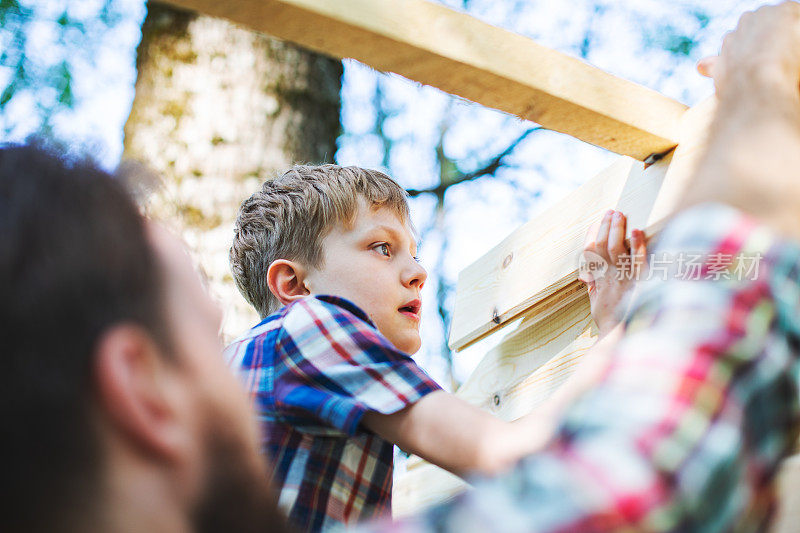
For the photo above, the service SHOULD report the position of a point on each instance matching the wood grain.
(461, 55)
(536, 266)
(512, 379)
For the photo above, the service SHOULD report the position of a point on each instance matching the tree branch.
(487, 170)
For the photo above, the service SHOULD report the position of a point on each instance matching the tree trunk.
(217, 110)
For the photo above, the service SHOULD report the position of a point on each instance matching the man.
(699, 400)
(119, 413)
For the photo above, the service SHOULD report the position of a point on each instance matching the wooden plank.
(520, 373)
(536, 266)
(532, 362)
(461, 55)
(422, 486)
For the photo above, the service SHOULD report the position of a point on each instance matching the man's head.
(344, 231)
(116, 401)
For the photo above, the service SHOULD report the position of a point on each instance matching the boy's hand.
(610, 268)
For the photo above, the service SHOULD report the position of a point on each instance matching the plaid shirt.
(696, 409)
(314, 368)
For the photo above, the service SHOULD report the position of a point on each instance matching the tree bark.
(219, 109)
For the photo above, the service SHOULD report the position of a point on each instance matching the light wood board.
(461, 55)
(536, 266)
(513, 378)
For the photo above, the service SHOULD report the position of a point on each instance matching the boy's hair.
(289, 217)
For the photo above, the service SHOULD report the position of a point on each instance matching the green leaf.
(681, 45)
(702, 18)
(9, 5)
(64, 85)
(20, 73)
(8, 93)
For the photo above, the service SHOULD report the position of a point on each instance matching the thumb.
(706, 66)
(638, 250)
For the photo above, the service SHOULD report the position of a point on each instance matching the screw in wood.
(495, 316)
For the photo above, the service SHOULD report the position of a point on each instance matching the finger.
(616, 238)
(591, 237)
(706, 66)
(589, 245)
(591, 286)
(585, 275)
(638, 250)
(601, 243)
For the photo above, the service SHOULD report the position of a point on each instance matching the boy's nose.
(415, 276)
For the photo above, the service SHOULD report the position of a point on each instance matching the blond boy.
(327, 255)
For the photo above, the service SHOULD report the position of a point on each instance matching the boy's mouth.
(411, 309)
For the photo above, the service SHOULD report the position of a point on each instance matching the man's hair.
(74, 261)
(289, 217)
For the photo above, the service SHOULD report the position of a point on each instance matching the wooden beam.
(535, 268)
(461, 55)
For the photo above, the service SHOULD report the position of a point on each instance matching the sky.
(640, 40)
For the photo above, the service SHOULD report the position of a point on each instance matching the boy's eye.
(383, 249)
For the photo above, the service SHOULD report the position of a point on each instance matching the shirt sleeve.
(332, 365)
(698, 406)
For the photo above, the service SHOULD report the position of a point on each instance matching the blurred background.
(214, 110)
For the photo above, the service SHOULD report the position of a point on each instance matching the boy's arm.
(457, 436)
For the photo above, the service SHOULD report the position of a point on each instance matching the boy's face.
(373, 265)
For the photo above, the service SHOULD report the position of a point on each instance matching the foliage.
(49, 49)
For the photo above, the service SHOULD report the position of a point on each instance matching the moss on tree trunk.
(218, 109)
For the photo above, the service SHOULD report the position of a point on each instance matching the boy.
(327, 256)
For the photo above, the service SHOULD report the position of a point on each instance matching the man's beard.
(237, 496)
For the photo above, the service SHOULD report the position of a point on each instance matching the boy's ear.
(286, 280)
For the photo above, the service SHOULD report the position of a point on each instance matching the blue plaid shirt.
(313, 369)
